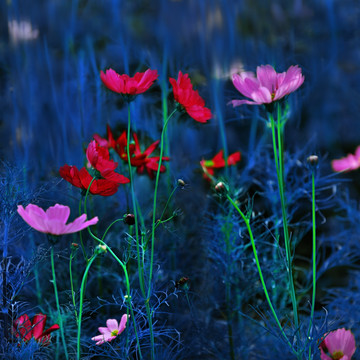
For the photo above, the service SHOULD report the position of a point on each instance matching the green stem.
(279, 162)
(147, 301)
(58, 304)
(80, 233)
(140, 267)
(72, 255)
(82, 293)
(155, 200)
(123, 266)
(247, 223)
(313, 256)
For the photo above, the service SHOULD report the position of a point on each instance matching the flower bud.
(100, 249)
(313, 160)
(181, 182)
(74, 246)
(129, 219)
(221, 188)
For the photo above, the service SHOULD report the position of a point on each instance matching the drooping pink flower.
(268, 86)
(126, 85)
(348, 163)
(25, 329)
(111, 331)
(218, 161)
(190, 99)
(53, 221)
(338, 345)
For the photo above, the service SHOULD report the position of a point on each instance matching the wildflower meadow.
(179, 180)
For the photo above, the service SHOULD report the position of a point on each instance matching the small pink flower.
(268, 86)
(53, 221)
(348, 163)
(338, 345)
(111, 331)
(126, 85)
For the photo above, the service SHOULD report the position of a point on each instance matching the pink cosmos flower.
(268, 86)
(126, 85)
(53, 221)
(348, 163)
(111, 331)
(338, 345)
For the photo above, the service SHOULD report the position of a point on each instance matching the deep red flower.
(25, 329)
(81, 179)
(218, 162)
(126, 85)
(190, 99)
(139, 159)
(99, 159)
(142, 160)
(118, 145)
(109, 142)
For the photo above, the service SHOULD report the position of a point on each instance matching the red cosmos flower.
(25, 329)
(190, 99)
(110, 142)
(82, 179)
(142, 160)
(99, 159)
(118, 145)
(218, 161)
(126, 85)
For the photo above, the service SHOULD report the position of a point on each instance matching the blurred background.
(52, 101)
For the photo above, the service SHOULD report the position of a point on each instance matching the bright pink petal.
(267, 77)
(58, 212)
(245, 83)
(80, 224)
(262, 95)
(34, 216)
(123, 322)
(236, 103)
(112, 324)
(103, 330)
(346, 164)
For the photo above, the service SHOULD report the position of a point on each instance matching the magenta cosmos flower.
(189, 98)
(338, 345)
(348, 163)
(126, 85)
(111, 331)
(53, 221)
(268, 86)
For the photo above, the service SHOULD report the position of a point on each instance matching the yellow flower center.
(336, 355)
(115, 332)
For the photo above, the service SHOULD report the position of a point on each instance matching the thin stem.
(72, 255)
(80, 233)
(279, 163)
(140, 267)
(147, 301)
(82, 293)
(155, 200)
(247, 223)
(108, 228)
(123, 266)
(57, 303)
(313, 256)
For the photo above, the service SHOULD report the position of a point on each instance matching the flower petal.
(267, 77)
(112, 324)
